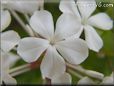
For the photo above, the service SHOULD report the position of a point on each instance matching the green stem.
(20, 21)
(81, 70)
(74, 73)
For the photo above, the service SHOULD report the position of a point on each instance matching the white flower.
(54, 43)
(8, 38)
(108, 80)
(82, 11)
(9, 59)
(24, 6)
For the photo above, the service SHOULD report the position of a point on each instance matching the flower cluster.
(57, 45)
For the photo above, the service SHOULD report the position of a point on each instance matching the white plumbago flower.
(55, 43)
(63, 79)
(24, 6)
(9, 38)
(9, 59)
(82, 10)
(106, 80)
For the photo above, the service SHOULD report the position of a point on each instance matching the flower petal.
(53, 64)
(75, 51)
(108, 80)
(8, 79)
(85, 81)
(9, 59)
(66, 26)
(86, 7)
(93, 40)
(77, 35)
(62, 79)
(31, 48)
(25, 6)
(69, 6)
(101, 21)
(5, 19)
(8, 40)
(42, 23)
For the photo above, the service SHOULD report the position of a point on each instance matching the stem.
(41, 6)
(19, 70)
(19, 20)
(24, 68)
(81, 70)
(31, 32)
(27, 17)
(76, 67)
(75, 73)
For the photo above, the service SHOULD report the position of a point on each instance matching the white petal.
(42, 23)
(93, 40)
(5, 19)
(69, 6)
(101, 21)
(66, 26)
(53, 64)
(108, 80)
(86, 7)
(85, 81)
(25, 6)
(77, 35)
(8, 40)
(94, 74)
(62, 79)
(75, 51)
(5, 76)
(31, 48)
(4, 59)
(8, 79)
(9, 59)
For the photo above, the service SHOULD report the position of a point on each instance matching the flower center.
(52, 42)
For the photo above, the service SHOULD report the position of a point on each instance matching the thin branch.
(78, 68)
(74, 73)
(19, 70)
(24, 68)
(20, 21)
(27, 17)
